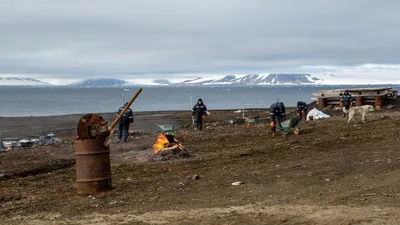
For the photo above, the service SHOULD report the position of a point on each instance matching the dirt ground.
(331, 173)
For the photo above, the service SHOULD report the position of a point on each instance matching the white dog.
(358, 110)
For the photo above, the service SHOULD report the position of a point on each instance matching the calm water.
(35, 101)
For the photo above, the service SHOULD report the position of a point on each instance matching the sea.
(59, 100)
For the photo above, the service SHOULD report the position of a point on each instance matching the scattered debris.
(169, 155)
(390, 106)
(112, 203)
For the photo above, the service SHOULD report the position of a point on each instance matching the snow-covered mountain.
(101, 82)
(229, 80)
(21, 81)
(256, 79)
(161, 82)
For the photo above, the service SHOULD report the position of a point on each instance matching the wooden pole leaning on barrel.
(114, 123)
(93, 170)
(124, 110)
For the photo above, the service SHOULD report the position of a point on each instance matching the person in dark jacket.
(347, 101)
(277, 111)
(302, 109)
(124, 123)
(199, 113)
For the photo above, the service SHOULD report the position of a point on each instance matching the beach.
(65, 126)
(332, 173)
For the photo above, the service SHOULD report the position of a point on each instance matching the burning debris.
(167, 147)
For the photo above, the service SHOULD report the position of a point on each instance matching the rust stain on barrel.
(93, 172)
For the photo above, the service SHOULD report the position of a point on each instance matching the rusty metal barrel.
(93, 170)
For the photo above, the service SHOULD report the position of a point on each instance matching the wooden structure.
(362, 96)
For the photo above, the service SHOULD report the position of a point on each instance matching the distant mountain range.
(254, 79)
(101, 82)
(229, 80)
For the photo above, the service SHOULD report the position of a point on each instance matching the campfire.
(168, 147)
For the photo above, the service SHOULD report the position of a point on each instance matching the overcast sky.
(131, 39)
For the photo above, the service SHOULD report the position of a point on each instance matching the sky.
(65, 41)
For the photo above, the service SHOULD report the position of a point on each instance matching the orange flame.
(9, 148)
(160, 143)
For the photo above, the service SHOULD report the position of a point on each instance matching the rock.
(342, 138)
(237, 183)
(195, 177)
(2, 175)
(390, 106)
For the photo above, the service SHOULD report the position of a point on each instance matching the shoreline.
(137, 113)
(65, 125)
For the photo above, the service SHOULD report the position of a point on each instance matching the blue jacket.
(127, 118)
(199, 110)
(277, 108)
(347, 99)
(302, 106)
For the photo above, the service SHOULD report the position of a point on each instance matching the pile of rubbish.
(316, 114)
(167, 147)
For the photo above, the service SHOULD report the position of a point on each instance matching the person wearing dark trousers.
(199, 113)
(277, 112)
(347, 102)
(124, 123)
(302, 109)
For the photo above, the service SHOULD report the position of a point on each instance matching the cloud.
(168, 39)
